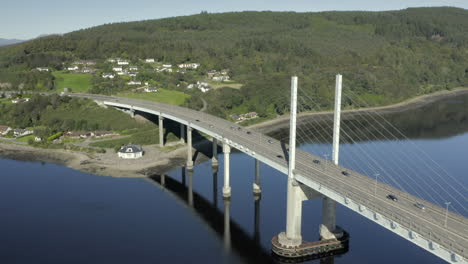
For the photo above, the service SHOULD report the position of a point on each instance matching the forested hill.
(384, 56)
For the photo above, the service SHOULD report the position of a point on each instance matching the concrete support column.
(214, 159)
(215, 186)
(132, 113)
(226, 187)
(190, 188)
(292, 237)
(161, 131)
(256, 185)
(163, 179)
(182, 133)
(227, 224)
(189, 149)
(328, 226)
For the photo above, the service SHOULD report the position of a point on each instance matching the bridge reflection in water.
(236, 240)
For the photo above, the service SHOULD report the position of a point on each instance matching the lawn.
(161, 96)
(76, 81)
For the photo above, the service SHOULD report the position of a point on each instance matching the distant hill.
(383, 56)
(4, 42)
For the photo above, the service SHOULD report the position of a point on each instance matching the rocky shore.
(159, 161)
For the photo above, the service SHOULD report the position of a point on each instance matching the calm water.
(52, 214)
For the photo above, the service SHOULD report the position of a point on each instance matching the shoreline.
(281, 122)
(158, 161)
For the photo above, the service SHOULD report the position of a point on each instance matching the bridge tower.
(289, 244)
(328, 229)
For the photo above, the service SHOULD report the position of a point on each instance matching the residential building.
(192, 66)
(117, 69)
(73, 68)
(134, 83)
(149, 60)
(130, 151)
(18, 132)
(133, 68)
(122, 62)
(42, 69)
(108, 75)
(78, 134)
(150, 89)
(4, 130)
(20, 100)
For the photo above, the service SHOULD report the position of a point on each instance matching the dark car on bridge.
(392, 197)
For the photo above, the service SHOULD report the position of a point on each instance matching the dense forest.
(384, 56)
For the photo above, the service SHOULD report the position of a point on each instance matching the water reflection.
(439, 119)
(235, 238)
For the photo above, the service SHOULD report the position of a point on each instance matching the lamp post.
(446, 212)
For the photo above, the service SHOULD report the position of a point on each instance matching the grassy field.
(233, 85)
(161, 96)
(77, 82)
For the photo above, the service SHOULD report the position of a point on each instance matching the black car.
(316, 161)
(392, 197)
(345, 173)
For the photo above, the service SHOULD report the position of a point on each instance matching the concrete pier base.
(328, 228)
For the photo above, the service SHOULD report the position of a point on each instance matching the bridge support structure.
(189, 148)
(161, 131)
(182, 133)
(227, 186)
(256, 185)
(328, 229)
(289, 244)
(214, 158)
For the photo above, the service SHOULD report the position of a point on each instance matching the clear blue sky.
(25, 19)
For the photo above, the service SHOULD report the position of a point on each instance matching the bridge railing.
(400, 219)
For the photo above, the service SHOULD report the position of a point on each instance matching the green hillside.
(385, 57)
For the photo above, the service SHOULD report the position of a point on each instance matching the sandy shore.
(159, 161)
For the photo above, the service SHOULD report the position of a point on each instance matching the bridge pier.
(189, 149)
(328, 229)
(182, 133)
(226, 187)
(161, 131)
(214, 159)
(256, 184)
(292, 237)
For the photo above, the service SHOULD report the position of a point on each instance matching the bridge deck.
(326, 178)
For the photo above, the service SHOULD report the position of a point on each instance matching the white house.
(133, 68)
(130, 151)
(193, 66)
(150, 89)
(42, 69)
(18, 132)
(117, 69)
(20, 100)
(112, 60)
(149, 60)
(73, 68)
(132, 74)
(134, 83)
(222, 78)
(108, 75)
(167, 65)
(122, 62)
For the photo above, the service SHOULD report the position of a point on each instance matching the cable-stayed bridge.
(424, 222)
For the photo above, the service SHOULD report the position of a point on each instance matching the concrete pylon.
(227, 186)
(256, 185)
(292, 237)
(189, 148)
(161, 131)
(328, 226)
(214, 159)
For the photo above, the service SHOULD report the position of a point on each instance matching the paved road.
(428, 223)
